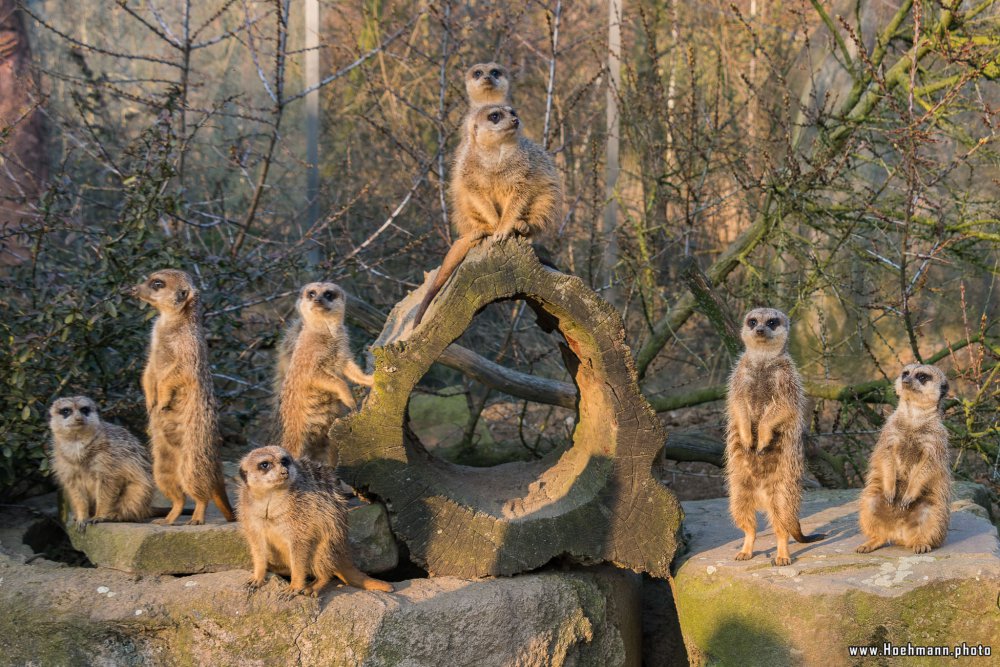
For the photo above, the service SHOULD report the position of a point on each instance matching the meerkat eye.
(329, 295)
(906, 374)
(476, 74)
(157, 284)
(495, 117)
(922, 377)
(264, 466)
(311, 294)
(752, 322)
(773, 323)
(85, 411)
(65, 412)
(285, 461)
(513, 113)
(495, 73)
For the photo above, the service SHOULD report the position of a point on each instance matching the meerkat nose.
(517, 121)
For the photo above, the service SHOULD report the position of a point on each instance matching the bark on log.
(596, 501)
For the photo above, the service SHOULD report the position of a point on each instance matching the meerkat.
(503, 184)
(177, 383)
(314, 388)
(295, 522)
(102, 468)
(908, 490)
(486, 84)
(764, 457)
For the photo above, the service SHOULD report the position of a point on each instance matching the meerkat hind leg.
(745, 517)
(177, 507)
(782, 557)
(198, 516)
(222, 502)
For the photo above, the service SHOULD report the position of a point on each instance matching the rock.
(146, 548)
(60, 615)
(750, 613)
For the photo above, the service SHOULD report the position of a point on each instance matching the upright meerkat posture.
(102, 468)
(314, 365)
(764, 458)
(295, 522)
(502, 184)
(908, 491)
(177, 383)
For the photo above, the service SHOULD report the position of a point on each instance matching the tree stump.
(596, 501)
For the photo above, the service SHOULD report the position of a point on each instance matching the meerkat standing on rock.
(102, 468)
(295, 522)
(764, 457)
(502, 184)
(908, 491)
(314, 365)
(177, 383)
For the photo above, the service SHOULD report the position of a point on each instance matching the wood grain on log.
(596, 501)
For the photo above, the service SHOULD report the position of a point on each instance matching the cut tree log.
(596, 501)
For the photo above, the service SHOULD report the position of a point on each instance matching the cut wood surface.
(595, 501)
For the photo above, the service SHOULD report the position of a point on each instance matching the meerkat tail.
(457, 253)
(352, 576)
(804, 539)
(222, 501)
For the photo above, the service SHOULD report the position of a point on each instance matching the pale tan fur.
(295, 522)
(503, 184)
(486, 84)
(177, 383)
(314, 376)
(102, 468)
(764, 457)
(907, 494)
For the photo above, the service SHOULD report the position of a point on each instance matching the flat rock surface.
(55, 615)
(830, 596)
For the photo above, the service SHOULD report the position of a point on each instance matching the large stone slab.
(147, 548)
(830, 598)
(52, 615)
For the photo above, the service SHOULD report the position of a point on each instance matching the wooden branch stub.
(596, 501)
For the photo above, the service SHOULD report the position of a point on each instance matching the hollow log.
(595, 501)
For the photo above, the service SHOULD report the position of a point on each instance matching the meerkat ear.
(182, 295)
(944, 389)
(243, 474)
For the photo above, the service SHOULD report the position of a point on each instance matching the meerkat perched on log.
(177, 383)
(314, 366)
(295, 522)
(764, 456)
(907, 495)
(102, 468)
(502, 184)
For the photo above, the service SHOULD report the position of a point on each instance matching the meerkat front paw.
(922, 548)
(254, 584)
(906, 501)
(744, 555)
(781, 561)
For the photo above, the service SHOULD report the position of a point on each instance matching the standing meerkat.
(177, 383)
(295, 522)
(102, 468)
(764, 458)
(908, 491)
(314, 365)
(503, 184)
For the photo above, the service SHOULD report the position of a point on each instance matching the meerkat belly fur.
(177, 383)
(313, 383)
(295, 523)
(764, 458)
(103, 470)
(502, 184)
(907, 492)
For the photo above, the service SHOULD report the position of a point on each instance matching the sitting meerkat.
(314, 365)
(295, 522)
(102, 468)
(502, 184)
(908, 491)
(764, 456)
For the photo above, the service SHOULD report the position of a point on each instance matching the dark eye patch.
(311, 294)
(906, 374)
(752, 322)
(495, 73)
(494, 117)
(157, 284)
(65, 412)
(329, 295)
(285, 461)
(477, 73)
(264, 465)
(85, 411)
(773, 323)
(922, 377)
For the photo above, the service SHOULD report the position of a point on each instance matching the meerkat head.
(765, 330)
(268, 469)
(73, 416)
(322, 303)
(922, 385)
(495, 125)
(169, 291)
(487, 83)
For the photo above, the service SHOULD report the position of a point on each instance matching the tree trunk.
(596, 501)
(23, 163)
